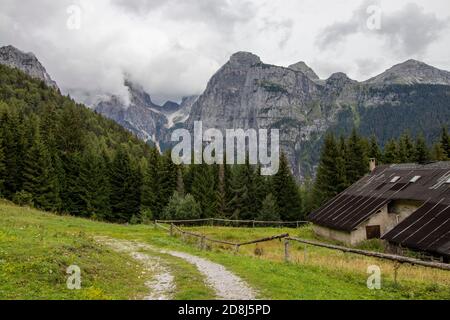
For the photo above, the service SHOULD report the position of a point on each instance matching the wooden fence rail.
(253, 222)
(392, 257)
(396, 258)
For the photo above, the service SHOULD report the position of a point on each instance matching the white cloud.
(173, 47)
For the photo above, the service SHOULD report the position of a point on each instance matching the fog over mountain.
(172, 48)
(248, 93)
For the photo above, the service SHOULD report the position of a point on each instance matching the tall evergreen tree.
(405, 148)
(122, 199)
(445, 142)
(269, 210)
(374, 149)
(203, 189)
(13, 148)
(150, 183)
(438, 153)
(390, 152)
(422, 154)
(356, 160)
(329, 173)
(286, 192)
(167, 182)
(94, 182)
(40, 179)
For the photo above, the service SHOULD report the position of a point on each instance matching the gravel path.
(162, 284)
(227, 285)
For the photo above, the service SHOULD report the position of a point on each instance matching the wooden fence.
(253, 223)
(203, 239)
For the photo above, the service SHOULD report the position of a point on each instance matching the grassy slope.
(32, 243)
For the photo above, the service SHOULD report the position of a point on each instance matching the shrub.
(23, 198)
(146, 216)
(182, 207)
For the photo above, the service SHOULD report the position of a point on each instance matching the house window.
(391, 207)
(373, 232)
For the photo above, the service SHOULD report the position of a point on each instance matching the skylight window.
(415, 179)
(447, 181)
(395, 179)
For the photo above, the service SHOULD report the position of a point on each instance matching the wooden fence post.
(286, 251)
(236, 249)
(171, 230)
(253, 223)
(202, 243)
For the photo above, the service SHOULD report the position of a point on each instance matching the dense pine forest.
(60, 156)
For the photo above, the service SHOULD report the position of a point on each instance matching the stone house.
(407, 205)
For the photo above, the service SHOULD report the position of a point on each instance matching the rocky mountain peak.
(26, 62)
(244, 59)
(412, 72)
(303, 67)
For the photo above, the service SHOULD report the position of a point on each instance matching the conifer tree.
(221, 191)
(269, 209)
(40, 179)
(438, 153)
(390, 152)
(405, 148)
(286, 192)
(356, 160)
(13, 150)
(329, 172)
(150, 183)
(2, 164)
(203, 189)
(445, 142)
(94, 182)
(374, 149)
(422, 154)
(122, 199)
(167, 182)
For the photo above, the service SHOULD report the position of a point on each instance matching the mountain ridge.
(248, 93)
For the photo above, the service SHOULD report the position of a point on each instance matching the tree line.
(344, 160)
(60, 156)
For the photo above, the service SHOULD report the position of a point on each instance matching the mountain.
(303, 67)
(26, 62)
(248, 93)
(149, 121)
(412, 72)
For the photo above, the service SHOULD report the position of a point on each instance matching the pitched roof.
(428, 228)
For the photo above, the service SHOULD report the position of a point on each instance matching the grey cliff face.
(26, 62)
(247, 93)
(303, 67)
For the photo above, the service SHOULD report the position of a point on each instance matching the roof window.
(415, 179)
(395, 179)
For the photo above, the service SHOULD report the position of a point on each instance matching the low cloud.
(410, 30)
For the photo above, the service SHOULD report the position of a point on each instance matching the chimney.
(372, 164)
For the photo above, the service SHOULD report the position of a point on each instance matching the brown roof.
(428, 228)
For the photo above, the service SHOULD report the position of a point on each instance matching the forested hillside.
(61, 156)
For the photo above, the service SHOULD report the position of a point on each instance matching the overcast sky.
(173, 47)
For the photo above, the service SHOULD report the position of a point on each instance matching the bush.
(182, 207)
(146, 216)
(23, 198)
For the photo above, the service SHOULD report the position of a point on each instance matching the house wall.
(386, 221)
